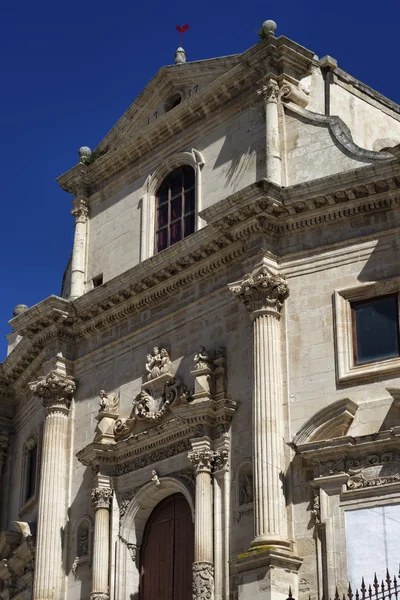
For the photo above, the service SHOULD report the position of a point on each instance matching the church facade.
(211, 407)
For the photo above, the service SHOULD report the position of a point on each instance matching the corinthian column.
(203, 567)
(263, 293)
(56, 391)
(270, 93)
(80, 212)
(101, 497)
(3, 454)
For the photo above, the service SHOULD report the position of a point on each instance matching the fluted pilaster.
(203, 567)
(101, 498)
(270, 94)
(80, 212)
(263, 293)
(56, 391)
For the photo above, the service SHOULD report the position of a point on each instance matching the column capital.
(269, 91)
(56, 390)
(202, 460)
(221, 460)
(101, 497)
(262, 292)
(81, 210)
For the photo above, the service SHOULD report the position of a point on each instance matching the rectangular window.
(367, 330)
(375, 325)
(372, 542)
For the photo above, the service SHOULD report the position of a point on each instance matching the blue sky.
(70, 69)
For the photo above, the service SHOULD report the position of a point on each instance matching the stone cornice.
(346, 447)
(260, 208)
(162, 440)
(279, 56)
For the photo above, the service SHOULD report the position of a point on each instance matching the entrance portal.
(168, 552)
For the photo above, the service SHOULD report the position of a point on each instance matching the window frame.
(192, 158)
(170, 199)
(354, 326)
(31, 443)
(346, 347)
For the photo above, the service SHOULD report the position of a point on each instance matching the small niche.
(245, 485)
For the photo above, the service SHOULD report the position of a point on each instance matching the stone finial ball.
(19, 309)
(84, 152)
(269, 27)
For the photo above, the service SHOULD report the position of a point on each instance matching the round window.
(173, 101)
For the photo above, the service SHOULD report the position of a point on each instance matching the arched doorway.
(168, 552)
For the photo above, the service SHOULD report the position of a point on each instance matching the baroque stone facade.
(232, 366)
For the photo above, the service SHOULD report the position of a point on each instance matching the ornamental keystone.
(261, 291)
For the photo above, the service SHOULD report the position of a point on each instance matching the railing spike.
(290, 597)
(337, 597)
(350, 592)
(370, 592)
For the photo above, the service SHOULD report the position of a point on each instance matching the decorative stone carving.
(203, 581)
(153, 402)
(155, 478)
(133, 550)
(261, 291)
(109, 403)
(55, 389)
(202, 460)
(297, 94)
(158, 363)
(221, 458)
(202, 359)
(153, 457)
(101, 497)
(269, 92)
(153, 406)
(17, 565)
(369, 471)
(316, 508)
(374, 470)
(99, 596)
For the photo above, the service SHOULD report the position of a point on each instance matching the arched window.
(176, 211)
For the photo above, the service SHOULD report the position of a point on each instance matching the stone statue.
(202, 358)
(165, 362)
(155, 478)
(109, 403)
(247, 489)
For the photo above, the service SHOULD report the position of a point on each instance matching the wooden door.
(168, 552)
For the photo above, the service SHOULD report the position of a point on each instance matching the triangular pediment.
(172, 84)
